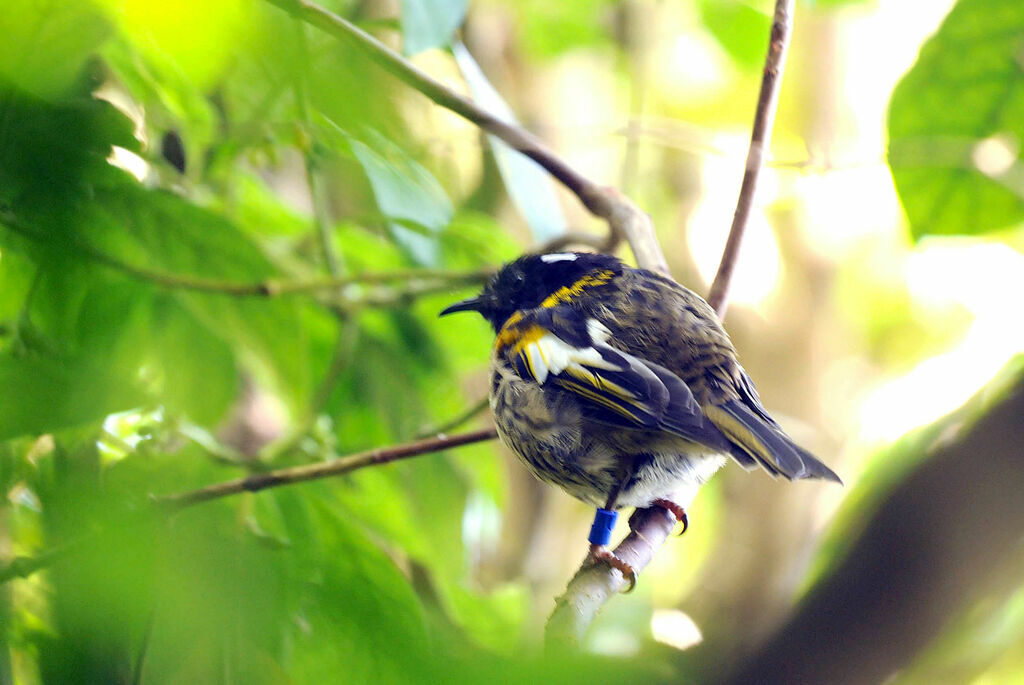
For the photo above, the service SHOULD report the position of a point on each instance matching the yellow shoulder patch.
(568, 292)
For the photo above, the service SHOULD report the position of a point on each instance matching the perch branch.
(594, 584)
(760, 137)
(624, 219)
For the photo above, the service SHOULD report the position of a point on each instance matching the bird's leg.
(599, 551)
(675, 510)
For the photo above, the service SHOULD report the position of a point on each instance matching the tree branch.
(20, 567)
(594, 584)
(760, 137)
(421, 281)
(299, 474)
(624, 218)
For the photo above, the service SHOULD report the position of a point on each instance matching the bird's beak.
(473, 304)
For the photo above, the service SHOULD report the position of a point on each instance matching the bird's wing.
(749, 427)
(558, 346)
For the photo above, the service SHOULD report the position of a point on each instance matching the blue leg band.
(601, 531)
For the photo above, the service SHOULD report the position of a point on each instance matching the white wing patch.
(598, 331)
(550, 354)
(558, 257)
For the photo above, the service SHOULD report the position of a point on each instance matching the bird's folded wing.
(563, 349)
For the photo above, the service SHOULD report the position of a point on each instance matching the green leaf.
(171, 101)
(528, 185)
(355, 606)
(552, 28)
(834, 3)
(430, 23)
(16, 275)
(215, 29)
(46, 394)
(45, 45)
(81, 342)
(407, 194)
(195, 369)
(956, 122)
(161, 231)
(741, 27)
(495, 620)
(55, 153)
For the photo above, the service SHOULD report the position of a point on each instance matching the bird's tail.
(754, 437)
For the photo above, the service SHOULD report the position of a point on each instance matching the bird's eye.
(519, 277)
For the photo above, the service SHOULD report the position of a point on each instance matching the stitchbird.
(621, 387)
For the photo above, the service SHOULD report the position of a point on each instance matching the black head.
(526, 282)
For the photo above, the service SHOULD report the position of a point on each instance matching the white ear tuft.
(558, 257)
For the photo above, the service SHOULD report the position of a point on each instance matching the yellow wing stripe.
(601, 383)
(568, 292)
(738, 433)
(597, 397)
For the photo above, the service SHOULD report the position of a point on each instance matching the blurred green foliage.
(740, 27)
(430, 23)
(118, 381)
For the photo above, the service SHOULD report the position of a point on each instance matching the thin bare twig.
(299, 474)
(20, 567)
(760, 137)
(593, 585)
(624, 218)
(476, 408)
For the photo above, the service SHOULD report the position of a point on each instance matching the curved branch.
(624, 219)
